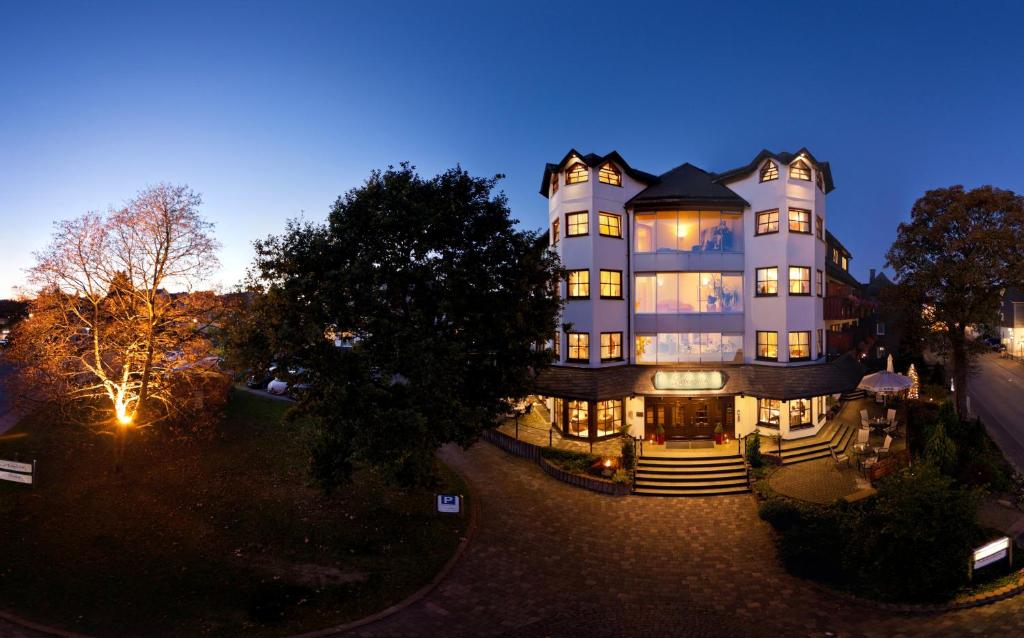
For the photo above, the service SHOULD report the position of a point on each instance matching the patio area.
(824, 481)
(535, 428)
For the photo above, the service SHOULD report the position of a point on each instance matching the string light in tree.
(915, 384)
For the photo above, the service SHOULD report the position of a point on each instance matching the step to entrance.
(681, 475)
(837, 438)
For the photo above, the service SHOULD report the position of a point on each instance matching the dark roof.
(873, 287)
(835, 272)
(770, 382)
(831, 240)
(785, 158)
(686, 185)
(593, 161)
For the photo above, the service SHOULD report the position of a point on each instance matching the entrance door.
(687, 417)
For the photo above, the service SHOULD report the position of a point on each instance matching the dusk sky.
(271, 110)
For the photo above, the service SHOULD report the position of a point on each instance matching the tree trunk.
(960, 367)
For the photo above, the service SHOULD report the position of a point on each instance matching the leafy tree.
(444, 301)
(954, 258)
(941, 449)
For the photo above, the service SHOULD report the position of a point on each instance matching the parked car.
(280, 386)
(258, 380)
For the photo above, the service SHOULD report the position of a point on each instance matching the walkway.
(553, 560)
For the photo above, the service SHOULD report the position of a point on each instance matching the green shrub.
(569, 460)
(621, 477)
(780, 513)
(753, 442)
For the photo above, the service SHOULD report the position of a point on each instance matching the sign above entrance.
(689, 380)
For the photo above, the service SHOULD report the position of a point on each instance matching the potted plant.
(719, 434)
(659, 437)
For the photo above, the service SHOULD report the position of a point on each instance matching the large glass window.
(609, 417)
(609, 224)
(799, 280)
(799, 221)
(767, 345)
(576, 174)
(767, 222)
(800, 170)
(609, 174)
(689, 347)
(799, 413)
(611, 346)
(768, 412)
(611, 284)
(767, 281)
(579, 346)
(579, 419)
(689, 231)
(799, 345)
(769, 171)
(685, 292)
(577, 224)
(579, 284)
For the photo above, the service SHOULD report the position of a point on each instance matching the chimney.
(871, 276)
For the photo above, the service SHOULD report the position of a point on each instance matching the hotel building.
(694, 301)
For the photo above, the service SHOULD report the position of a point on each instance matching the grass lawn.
(217, 536)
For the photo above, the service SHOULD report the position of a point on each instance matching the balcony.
(838, 308)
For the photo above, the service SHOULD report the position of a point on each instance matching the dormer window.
(576, 174)
(800, 170)
(554, 183)
(609, 175)
(769, 171)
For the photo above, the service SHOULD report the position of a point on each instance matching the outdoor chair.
(840, 458)
(863, 415)
(863, 434)
(885, 445)
(890, 416)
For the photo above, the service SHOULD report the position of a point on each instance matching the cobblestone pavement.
(552, 560)
(818, 481)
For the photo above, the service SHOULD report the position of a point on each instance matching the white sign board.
(449, 503)
(13, 466)
(994, 552)
(17, 478)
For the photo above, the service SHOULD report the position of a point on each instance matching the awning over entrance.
(769, 382)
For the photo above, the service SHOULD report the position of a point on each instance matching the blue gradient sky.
(272, 110)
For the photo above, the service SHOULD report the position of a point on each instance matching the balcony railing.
(842, 308)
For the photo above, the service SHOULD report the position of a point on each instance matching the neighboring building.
(1011, 324)
(693, 299)
(844, 300)
(882, 326)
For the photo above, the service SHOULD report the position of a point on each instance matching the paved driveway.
(552, 560)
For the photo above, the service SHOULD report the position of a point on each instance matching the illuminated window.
(643, 234)
(799, 412)
(819, 227)
(819, 283)
(820, 181)
(846, 264)
(821, 342)
(608, 174)
(835, 256)
(769, 171)
(767, 222)
(554, 183)
(800, 345)
(768, 412)
(609, 417)
(579, 418)
(799, 280)
(579, 346)
(611, 346)
(609, 224)
(576, 174)
(577, 224)
(800, 170)
(611, 284)
(799, 221)
(554, 232)
(579, 284)
(767, 281)
(767, 345)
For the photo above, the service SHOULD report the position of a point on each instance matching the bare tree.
(106, 333)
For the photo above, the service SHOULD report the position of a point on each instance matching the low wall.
(533, 452)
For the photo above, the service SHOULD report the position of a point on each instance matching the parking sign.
(449, 503)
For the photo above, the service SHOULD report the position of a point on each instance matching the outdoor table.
(862, 449)
(878, 423)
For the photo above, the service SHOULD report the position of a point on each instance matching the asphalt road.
(996, 389)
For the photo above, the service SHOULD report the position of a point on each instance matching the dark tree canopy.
(443, 299)
(953, 260)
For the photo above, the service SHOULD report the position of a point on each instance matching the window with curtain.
(608, 417)
(799, 345)
(579, 284)
(611, 284)
(611, 346)
(799, 280)
(579, 346)
(799, 413)
(579, 419)
(689, 231)
(767, 345)
(768, 412)
(767, 281)
(800, 221)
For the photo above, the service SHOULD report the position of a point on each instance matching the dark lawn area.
(220, 536)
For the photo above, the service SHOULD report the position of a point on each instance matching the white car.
(277, 386)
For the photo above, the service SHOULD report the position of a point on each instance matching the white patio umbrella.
(885, 381)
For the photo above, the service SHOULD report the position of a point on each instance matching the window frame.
(794, 408)
(617, 410)
(790, 280)
(601, 283)
(554, 231)
(600, 227)
(769, 172)
(569, 347)
(757, 222)
(757, 282)
(819, 282)
(789, 221)
(569, 224)
(556, 345)
(570, 171)
(765, 405)
(820, 343)
(569, 284)
(611, 344)
(757, 345)
(820, 227)
(554, 183)
(614, 171)
(789, 344)
(798, 168)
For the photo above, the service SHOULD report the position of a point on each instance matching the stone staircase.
(834, 436)
(690, 475)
